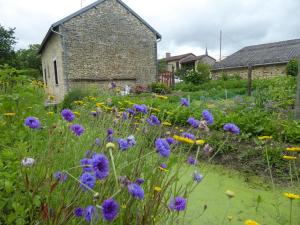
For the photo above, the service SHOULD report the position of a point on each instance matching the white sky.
(186, 26)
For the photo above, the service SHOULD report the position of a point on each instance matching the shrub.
(198, 76)
(73, 95)
(292, 67)
(138, 89)
(160, 88)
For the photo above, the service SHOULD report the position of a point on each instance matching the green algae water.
(254, 199)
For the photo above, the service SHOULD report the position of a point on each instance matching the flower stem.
(113, 166)
(220, 147)
(290, 172)
(227, 209)
(291, 208)
(269, 167)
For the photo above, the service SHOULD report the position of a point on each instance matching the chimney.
(168, 55)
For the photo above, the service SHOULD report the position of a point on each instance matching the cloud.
(186, 26)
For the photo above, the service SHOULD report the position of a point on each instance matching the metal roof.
(263, 54)
(54, 25)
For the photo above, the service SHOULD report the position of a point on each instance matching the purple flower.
(197, 177)
(94, 113)
(208, 117)
(97, 141)
(170, 140)
(163, 165)
(131, 140)
(32, 122)
(60, 176)
(232, 128)
(131, 112)
(86, 164)
(192, 160)
(136, 190)
(189, 136)
(68, 115)
(185, 102)
(162, 147)
(153, 120)
(91, 213)
(87, 179)
(113, 85)
(124, 116)
(109, 136)
(110, 131)
(140, 108)
(79, 212)
(77, 129)
(139, 181)
(110, 209)
(123, 144)
(193, 122)
(178, 204)
(101, 166)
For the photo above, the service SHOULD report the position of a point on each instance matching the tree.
(28, 58)
(7, 42)
(198, 76)
(162, 66)
(292, 67)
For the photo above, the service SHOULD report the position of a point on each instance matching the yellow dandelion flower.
(183, 139)
(163, 169)
(99, 104)
(166, 124)
(161, 97)
(251, 222)
(289, 157)
(200, 142)
(50, 113)
(291, 196)
(230, 194)
(157, 189)
(265, 137)
(78, 102)
(9, 114)
(293, 149)
(77, 114)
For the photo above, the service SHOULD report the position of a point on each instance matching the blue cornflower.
(97, 141)
(79, 212)
(193, 122)
(163, 165)
(60, 176)
(87, 179)
(189, 136)
(86, 164)
(191, 160)
(131, 140)
(109, 136)
(68, 115)
(123, 144)
(208, 117)
(101, 166)
(32, 122)
(113, 85)
(153, 120)
(170, 140)
(91, 213)
(140, 108)
(185, 102)
(136, 190)
(197, 177)
(110, 131)
(110, 209)
(232, 128)
(162, 147)
(77, 129)
(178, 204)
(131, 112)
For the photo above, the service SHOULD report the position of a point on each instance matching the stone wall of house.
(206, 60)
(108, 43)
(53, 51)
(257, 72)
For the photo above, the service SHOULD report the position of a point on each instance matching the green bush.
(292, 67)
(160, 88)
(198, 76)
(74, 95)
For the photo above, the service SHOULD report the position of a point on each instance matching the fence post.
(297, 105)
(249, 79)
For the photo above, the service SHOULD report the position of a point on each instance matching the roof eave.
(246, 66)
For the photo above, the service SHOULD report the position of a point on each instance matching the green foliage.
(292, 67)
(198, 76)
(162, 66)
(7, 42)
(160, 88)
(74, 95)
(180, 73)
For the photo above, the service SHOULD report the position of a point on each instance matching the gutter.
(254, 65)
(157, 61)
(64, 56)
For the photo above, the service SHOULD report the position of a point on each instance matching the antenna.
(220, 45)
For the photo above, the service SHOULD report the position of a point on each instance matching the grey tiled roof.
(53, 26)
(194, 58)
(272, 53)
(177, 57)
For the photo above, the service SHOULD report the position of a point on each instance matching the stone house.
(266, 60)
(186, 61)
(103, 42)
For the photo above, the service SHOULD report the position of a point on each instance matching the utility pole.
(220, 45)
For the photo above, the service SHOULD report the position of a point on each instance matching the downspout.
(64, 57)
(157, 64)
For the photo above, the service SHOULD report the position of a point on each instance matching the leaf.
(37, 201)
